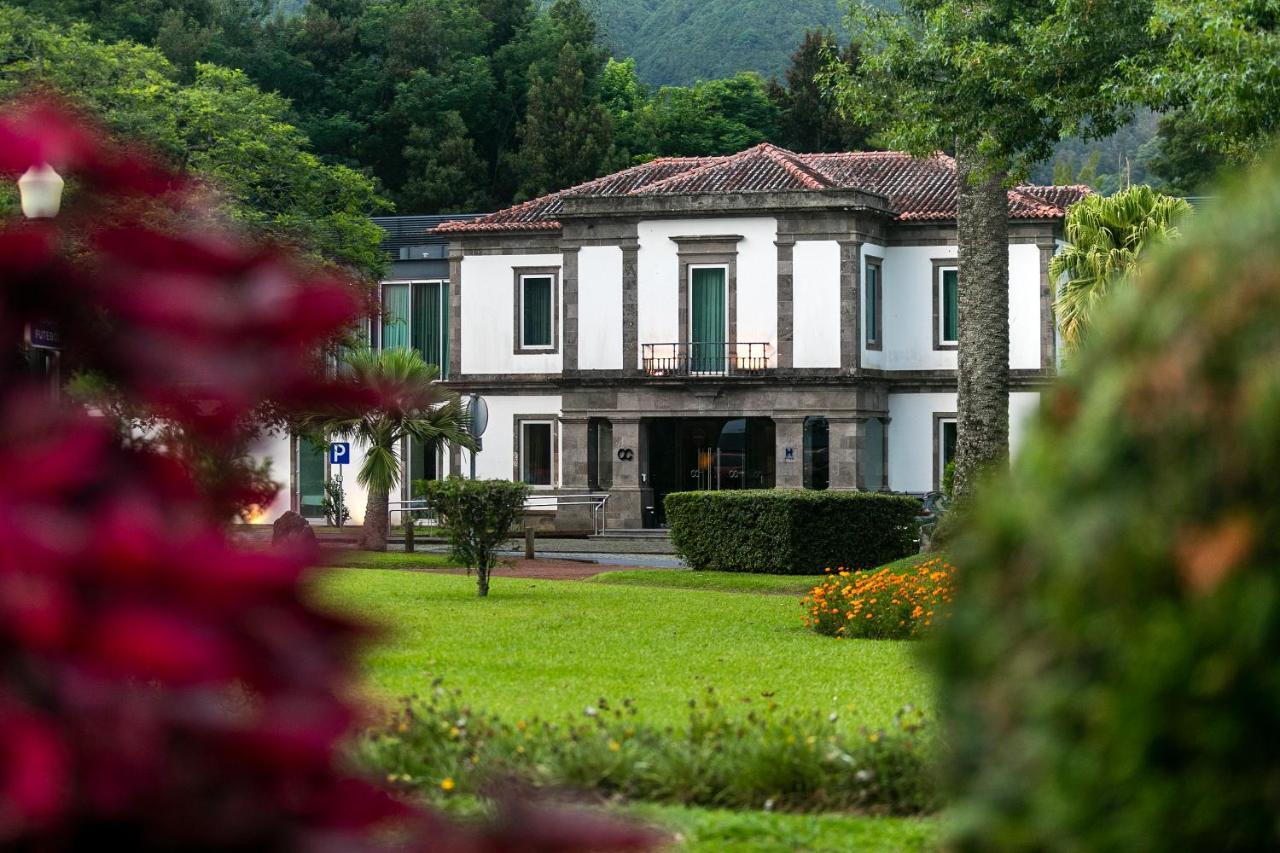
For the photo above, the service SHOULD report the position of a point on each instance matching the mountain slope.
(680, 41)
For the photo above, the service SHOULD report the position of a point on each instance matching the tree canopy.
(220, 126)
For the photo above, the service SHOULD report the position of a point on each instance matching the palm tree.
(412, 406)
(1107, 236)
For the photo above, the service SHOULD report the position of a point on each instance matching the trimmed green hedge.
(790, 532)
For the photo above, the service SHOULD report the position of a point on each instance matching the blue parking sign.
(340, 453)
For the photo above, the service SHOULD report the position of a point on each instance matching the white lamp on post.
(41, 191)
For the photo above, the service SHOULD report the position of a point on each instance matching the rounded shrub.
(1110, 670)
(790, 531)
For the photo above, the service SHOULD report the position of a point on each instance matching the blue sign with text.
(340, 453)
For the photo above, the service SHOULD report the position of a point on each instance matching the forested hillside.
(680, 41)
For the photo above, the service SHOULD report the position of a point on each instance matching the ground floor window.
(599, 454)
(310, 466)
(535, 453)
(944, 440)
(817, 453)
(873, 454)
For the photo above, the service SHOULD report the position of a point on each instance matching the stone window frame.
(939, 265)
(519, 274)
(517, 471)
(877, 345)
(939, 418)
(709, 251)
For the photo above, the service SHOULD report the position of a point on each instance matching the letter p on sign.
(340, 453)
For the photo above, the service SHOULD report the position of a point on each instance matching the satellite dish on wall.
(477, 415)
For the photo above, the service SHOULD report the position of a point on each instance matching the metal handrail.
(597, 502)
(702, 359)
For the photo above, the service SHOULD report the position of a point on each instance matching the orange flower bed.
(887, 604)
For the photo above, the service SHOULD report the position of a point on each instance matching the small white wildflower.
(590, 711)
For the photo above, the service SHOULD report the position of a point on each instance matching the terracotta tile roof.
(918, 188)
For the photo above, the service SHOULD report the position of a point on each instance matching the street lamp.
(41, 191)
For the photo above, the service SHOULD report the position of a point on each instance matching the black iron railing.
(721, 359)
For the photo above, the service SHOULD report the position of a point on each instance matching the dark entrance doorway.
(705, 454)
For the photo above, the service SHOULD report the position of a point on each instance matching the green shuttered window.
(417, 315)
(395, 316)
(536, 307)
(707, 319)
(950, 306)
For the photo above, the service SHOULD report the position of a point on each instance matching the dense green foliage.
(219, 125)
(794, 532)
(754, 754)
(1110, 666)
(478, 515)
(678, 42)
(1106, 238)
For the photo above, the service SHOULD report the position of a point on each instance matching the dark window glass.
(310, 479)
(599, 454)
(817, 453)
(873, 304)
(535, 454)
(536, 292)
(950, 305)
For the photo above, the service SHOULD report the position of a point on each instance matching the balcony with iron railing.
(707, 359)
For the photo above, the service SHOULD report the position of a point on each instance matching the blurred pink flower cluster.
(160, 687)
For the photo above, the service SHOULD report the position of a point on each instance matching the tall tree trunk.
(983, 406)
(373, 536)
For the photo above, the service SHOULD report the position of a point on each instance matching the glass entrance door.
(707, 454)
(311, 464)
(708, 320)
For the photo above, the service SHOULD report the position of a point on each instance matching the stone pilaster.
(786, 303)
(1048, 322)
(631, 309)
(627, 497)
(789, 435)
(850, 316)
(844, 437)
(569, 295)
(455, 312)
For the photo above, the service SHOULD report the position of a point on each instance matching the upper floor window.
(874, 302)
(536, 313)
(416, 314)
(946, 306)
(708, 318)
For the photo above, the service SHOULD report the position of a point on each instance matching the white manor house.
(761, 320)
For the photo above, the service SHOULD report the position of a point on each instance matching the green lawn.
(550, 648)
(389, 560)
(717, 831)
(713, 581)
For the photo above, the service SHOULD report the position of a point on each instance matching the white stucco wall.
(600, 308)
(816, 303)
(873, 358)
(658, 285)
(1024, 307)
(908, 309)
(911, 446)
(497, 460)
(488, 316)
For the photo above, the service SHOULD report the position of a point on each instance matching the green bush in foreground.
(1110, 670)
(761, 757)
(795, 532)
(478, 516)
